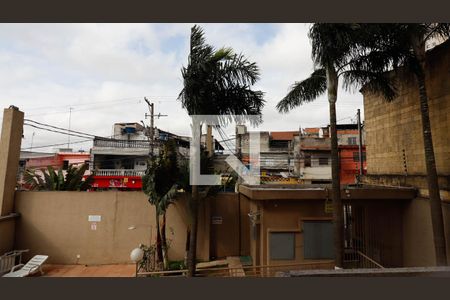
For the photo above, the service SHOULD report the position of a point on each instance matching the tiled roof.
(312, 130)
(283, 135)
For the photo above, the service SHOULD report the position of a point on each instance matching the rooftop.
(323, 191)
(283, 135)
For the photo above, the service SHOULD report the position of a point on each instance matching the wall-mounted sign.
(94, 218)
(216, 220)
(93, 226)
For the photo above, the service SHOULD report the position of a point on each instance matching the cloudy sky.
(103, 72)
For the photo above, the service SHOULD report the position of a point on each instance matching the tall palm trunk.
(194, 201)
(437, 219)
(159, 254)
(164, 242)
(332, 86)
(192, 254)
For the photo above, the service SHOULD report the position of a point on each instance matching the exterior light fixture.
(136, 256)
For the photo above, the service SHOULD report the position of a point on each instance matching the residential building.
(395, 149)
(120, 162)
(314, 156)
(276, 153)
(41, 160)
(301, 156)
(292, 224)
(348, 144)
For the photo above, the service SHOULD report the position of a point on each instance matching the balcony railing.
(121, 143)
(119, 172)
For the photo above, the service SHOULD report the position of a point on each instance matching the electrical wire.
(54, 145)
(60, 128)
(55, 131)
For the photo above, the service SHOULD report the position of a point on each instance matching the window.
(279, 144)
(307, 160)
(356, 156)
(352, 140)
(65, 164)
(318, 240)
(323, 161)
(282, 245)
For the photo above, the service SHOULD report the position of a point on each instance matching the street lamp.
(136, 256)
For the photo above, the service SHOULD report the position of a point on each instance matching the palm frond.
(304, 91)
(378, 83)
(218, 82)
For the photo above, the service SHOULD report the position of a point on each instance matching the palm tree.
(407, 45)
(160, 184)
(52, 180)
(216, 82)
(339, 50)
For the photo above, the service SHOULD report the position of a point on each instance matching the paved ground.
(127, 270)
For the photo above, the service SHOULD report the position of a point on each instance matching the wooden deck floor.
(126, 270)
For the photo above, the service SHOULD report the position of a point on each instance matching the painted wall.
(56, 224)
(418, 245)
(6, 234)
(225, 229)
(285, 216)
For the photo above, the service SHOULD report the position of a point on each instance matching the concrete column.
(10, 141)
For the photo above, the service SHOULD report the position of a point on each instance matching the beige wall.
(6, 234)
(56, 224)
(287, 216)
(225, 236)
(392, 127)
(418, 245)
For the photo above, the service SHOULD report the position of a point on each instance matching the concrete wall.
(225, 226)
(418, 245)
(322, 172)
(10, 140)
(396, 126)
(287, 217)
(7, 226)
(56, 224)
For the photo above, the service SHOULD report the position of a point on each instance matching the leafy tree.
(50, 180)
(339, 51)
(216, 82)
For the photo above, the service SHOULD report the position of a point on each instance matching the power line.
(60, 128)
(54, 145)
(66, 133)
(90, 103)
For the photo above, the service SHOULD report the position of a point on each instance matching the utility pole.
(360, 147)
(68, 136)
(151, 107)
